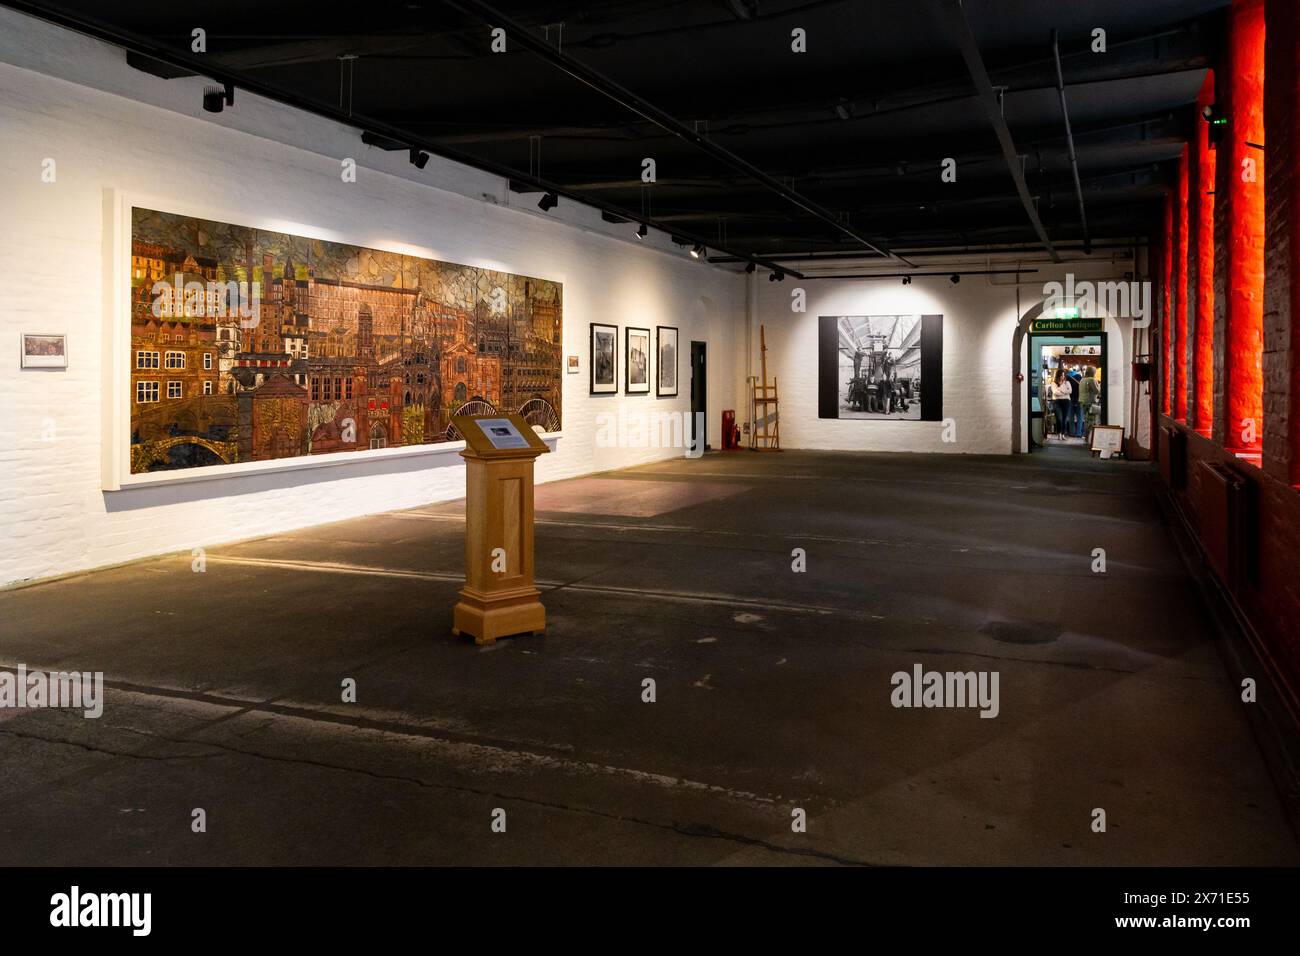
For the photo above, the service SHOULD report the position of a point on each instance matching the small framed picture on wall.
(666, 371)
(604, 359)
(637, 362)
(573, 365)
(44, 350)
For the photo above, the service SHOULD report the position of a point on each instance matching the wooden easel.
(764, 435)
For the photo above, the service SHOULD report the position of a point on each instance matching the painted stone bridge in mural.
(146, 454)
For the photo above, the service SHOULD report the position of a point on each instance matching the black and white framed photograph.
(666, 371)
(637, 361)
(886, 367)
(44, 350)
(604, 361)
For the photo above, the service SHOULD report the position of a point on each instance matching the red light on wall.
(1182, 292)
(1166, 324)
(1203, 365)
(1245, 312)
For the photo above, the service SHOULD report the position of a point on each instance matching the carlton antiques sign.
(1065, 321)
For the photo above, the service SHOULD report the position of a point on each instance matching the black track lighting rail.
(377, 130)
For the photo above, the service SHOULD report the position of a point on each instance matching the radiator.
(1220, 501)
(1173, 456)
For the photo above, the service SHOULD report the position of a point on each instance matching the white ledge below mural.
(251, 469)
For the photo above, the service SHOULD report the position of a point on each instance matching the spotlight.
(697, 250)
(750, 266)
(771, 277)
(642, 231)
(419, 158)
(776, 276)
(1218, 124)
(548, 202)
(955, 278)
(907, 280)
(217, 98)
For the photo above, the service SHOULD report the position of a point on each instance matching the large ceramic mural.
(249, 345)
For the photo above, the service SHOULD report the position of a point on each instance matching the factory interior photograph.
(649, 437)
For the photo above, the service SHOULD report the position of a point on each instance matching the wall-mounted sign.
(41, 350)
(1064, 324)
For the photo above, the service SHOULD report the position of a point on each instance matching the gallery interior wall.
(151, 136)
(979, 323)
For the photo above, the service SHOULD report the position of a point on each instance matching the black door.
(699, 389)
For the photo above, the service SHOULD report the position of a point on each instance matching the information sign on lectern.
(499, 598)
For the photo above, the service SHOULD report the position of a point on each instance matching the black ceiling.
(856, 127)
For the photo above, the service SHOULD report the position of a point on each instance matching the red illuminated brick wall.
(1245, 339)
(1203, 246)
(1254, 248)
(1180, 294)
(1166, 320)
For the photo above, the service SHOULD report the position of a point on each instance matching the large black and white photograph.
(886, 367)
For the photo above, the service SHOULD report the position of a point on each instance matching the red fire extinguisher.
(730, 433)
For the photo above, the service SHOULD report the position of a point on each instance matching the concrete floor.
(773, 687)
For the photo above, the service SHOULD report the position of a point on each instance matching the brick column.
(1281, 333)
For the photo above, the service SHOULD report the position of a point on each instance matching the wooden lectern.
(498, 598)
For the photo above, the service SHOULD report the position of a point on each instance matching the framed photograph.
(666, 371)
(637, 362)
(44, 350)
(573, 364)
(880, 367)
(604, 359)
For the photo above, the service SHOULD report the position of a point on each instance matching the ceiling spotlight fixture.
(750, 266)
(548, 202)
(419, 158)
(697, 250)
(843, 110)
(1218, 124)
(217, 98)
(642, 231)
(907, 280)
(955, 278)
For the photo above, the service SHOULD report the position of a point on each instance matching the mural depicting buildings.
(248, 344)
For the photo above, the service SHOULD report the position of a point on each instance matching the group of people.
(879, 390)
(1073, 398)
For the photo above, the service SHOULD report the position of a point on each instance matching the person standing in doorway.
(1060, 393)
(1076, 409)
(1090, 398)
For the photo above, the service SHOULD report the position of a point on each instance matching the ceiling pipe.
(897, 275)
(979, 74)
(1069, 142)
(625, 98)
(207, 66)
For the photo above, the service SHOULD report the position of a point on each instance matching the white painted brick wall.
(53, 516)
(979, 322)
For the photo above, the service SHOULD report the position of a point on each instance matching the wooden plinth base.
(501, 614)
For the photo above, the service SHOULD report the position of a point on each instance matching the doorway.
(1077, 356)
(699, 393)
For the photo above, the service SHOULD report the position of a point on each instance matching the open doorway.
(699, 395)
(1066, 391)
